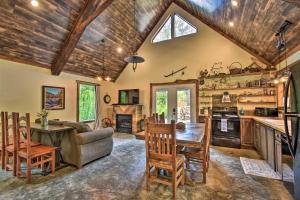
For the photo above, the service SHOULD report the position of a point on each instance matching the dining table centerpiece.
(44, 117)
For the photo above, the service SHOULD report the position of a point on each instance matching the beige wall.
(21, 89)
(198, 51)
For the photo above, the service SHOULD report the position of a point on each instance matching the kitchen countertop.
(273, 122)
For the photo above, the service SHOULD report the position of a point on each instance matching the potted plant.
(44, 117)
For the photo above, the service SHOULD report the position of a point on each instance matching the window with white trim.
(175, 26)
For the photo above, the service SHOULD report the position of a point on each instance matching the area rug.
(258, 168)
(262, 168)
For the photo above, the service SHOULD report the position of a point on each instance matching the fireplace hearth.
(124, 123)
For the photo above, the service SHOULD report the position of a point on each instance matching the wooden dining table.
(191, 136)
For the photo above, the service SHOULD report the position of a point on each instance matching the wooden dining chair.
(34, 155)
(199, 156)
(161, 118)
(2, 149)
(160, 144)
(9, 129)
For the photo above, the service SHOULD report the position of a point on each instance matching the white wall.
(198, 51)
(21, 89)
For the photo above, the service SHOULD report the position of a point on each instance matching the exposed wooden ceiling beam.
(218, 30)
(295, 2)
(89, 12)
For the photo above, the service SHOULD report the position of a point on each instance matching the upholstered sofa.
(83, 145)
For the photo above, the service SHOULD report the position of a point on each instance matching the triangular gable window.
(174, 26)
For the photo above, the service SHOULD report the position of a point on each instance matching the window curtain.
(98, 123)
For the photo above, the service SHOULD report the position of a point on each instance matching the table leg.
(56, 142)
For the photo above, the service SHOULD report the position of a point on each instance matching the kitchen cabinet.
(278, 153)
(271, 146)
(267, 142)
(263, 142)
(257, 137)
(247, 133)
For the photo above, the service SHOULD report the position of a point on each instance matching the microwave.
(266, 112)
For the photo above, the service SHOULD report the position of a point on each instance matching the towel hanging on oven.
(224, 125)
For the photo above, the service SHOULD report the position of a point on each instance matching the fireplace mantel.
(135, 110)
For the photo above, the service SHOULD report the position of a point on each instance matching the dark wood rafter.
(90, 11)
(218, 30)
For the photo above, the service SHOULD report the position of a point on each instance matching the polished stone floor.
(120, 176)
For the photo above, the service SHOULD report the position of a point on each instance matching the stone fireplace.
(124, 123)
(127, 118)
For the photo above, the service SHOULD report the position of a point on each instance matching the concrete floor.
(120, 176)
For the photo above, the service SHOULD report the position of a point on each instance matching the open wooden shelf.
(244, 88)
(256, 95)
(205, 102)
(260, 102)
(237, 75)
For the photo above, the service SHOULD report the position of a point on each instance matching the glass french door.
(184, 105)
(175, 102)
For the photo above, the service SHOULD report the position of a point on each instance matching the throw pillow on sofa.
(79, 126)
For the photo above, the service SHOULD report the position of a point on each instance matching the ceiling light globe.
(119, 49)
(34, 3)
(99, 78)
(107, 78)
(234, 3)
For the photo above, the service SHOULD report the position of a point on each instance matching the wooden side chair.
(34, 155)
(161, 118)
(200, 156)
(160, 144)
(10, 149)
(2, 149)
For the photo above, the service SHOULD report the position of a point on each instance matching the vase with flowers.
(44, 117)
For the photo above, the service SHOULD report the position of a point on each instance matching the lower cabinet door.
(257, 137)
(263, 144)
(278, 154)
(271, 147)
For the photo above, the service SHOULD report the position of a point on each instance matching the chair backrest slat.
(3, 123)
(161, 141)
(9, 129)
(207, 134)
(23, 129)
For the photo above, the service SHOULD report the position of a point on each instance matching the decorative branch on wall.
(173, 73)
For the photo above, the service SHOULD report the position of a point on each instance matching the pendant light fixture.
(134, 58)
(102, 76)
(282, 46)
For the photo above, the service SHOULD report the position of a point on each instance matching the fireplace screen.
(124, 123)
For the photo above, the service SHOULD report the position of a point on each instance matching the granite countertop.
(273, 122)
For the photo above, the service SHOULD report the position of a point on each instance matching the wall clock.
(107, 99)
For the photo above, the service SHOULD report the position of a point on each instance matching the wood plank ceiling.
(37, 35)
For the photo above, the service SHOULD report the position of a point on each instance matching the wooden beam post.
(91, 9)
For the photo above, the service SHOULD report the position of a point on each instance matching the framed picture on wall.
(53, 98)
